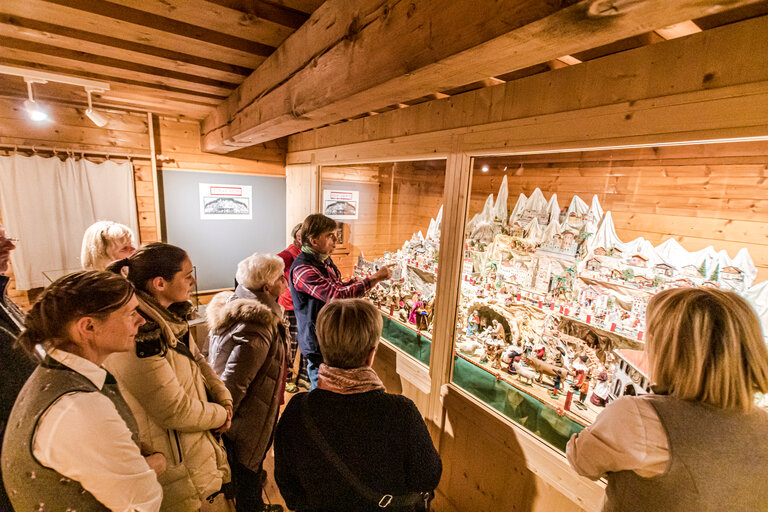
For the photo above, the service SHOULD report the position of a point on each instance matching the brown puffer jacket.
(248, 342)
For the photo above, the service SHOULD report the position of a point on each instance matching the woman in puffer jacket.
(180, 404)
(248, 344)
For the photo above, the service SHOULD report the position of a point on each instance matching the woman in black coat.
(349, 445)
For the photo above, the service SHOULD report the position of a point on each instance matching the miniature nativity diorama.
(552, 301)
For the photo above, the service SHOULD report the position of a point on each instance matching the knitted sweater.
(381, 437)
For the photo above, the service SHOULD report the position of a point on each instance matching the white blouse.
(627, 435)
(83, 437)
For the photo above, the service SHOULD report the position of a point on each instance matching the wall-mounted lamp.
(35, 111)
(33, 76)
(98, 118)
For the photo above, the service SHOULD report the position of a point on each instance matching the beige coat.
(168, 395)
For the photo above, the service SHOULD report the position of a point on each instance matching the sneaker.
(291, 387)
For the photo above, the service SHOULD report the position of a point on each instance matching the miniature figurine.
(600, 394)
(473, 324)
(524, 373)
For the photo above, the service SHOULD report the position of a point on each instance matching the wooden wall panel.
(717, 200)
(128, 134)
(390, 212)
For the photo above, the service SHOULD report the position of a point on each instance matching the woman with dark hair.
(72, 442)
(167, 382)
(697, 442)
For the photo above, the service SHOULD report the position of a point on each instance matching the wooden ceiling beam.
(84, 21)
(98, 44)
(373, 54)
(93, 60)
(218, 18)
(121, 97)
(20, 58)
(305, 6)
(278, 14)
(163, 24)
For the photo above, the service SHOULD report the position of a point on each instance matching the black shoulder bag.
(384, 501)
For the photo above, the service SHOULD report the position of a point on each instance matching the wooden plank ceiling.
(177, 57)
(256, 70)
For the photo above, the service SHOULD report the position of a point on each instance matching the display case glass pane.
(563, 251)
(390, 213)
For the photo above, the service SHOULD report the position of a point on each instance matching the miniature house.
(663, 269)
(638, 260)
(731, 273)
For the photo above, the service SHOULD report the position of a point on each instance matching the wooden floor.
(271, 492)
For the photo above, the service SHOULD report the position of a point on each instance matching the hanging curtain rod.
(75, 152)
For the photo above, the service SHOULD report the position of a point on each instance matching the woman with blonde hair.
(699, 442)
(104, 242)
(248, 346)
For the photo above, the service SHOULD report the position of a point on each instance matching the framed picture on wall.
(341, 204)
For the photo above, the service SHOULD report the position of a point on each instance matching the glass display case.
(562, 253)
(389, 214)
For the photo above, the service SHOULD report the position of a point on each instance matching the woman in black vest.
(72, 442)
(699, 442)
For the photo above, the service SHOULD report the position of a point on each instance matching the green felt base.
(407, 340)
(538, 417)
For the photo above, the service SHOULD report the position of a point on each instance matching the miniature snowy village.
(552, 301)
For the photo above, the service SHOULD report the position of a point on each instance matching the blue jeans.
(312, 369)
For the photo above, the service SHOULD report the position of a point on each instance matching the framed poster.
(341, 204)
(225, 202)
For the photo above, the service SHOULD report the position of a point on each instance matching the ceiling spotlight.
(98, 118)
(35, 111)
(485, 168)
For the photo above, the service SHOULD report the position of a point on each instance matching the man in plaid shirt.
(315, 280)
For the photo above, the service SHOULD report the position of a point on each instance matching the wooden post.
(455, 194)
(157, 179)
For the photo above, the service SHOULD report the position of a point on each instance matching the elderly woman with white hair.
(248, 344)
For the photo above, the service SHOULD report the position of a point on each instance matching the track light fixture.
(36, 113)
(33, 76)
(98, 118)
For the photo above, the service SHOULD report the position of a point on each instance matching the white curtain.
(48, 204)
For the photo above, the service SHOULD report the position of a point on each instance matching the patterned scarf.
(165, 324)
(309, 250)
(348, 381)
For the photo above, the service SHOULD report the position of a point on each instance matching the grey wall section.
(216, 246)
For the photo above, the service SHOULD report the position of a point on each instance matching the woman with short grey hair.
(327, 439)
(248, 345)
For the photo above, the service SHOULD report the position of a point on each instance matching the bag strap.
(383, 500)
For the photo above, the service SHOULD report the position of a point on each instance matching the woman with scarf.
(248, 345)
(348, 445)
(180, 404)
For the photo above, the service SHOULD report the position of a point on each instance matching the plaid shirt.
(310, 280)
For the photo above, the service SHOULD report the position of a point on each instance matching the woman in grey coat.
(248, 343)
